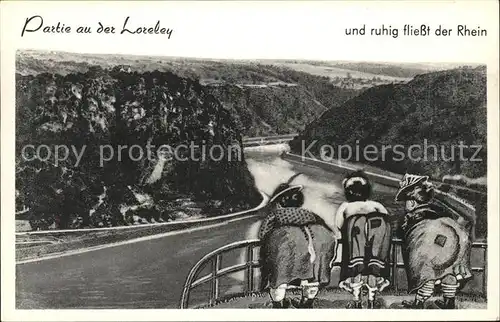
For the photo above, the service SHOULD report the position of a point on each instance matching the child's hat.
(407, 183)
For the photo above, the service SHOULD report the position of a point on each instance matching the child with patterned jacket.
(296, 247)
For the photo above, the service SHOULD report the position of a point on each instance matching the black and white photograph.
(159, 181)
(349, 183)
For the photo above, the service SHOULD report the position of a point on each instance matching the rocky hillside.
(441, 108)
(86, 117)
(267, 97)
(280, 107)
(286, 105)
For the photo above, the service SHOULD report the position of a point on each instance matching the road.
(148, 274)
(151, 274)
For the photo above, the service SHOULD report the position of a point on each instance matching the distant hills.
(328, 103)
(283, 107)
(442, 109)
(266, 96)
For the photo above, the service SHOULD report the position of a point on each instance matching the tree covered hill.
(280, 107)
(85, 112)
(442, 108)
(268, 97)
(403, 70)
(78, 100)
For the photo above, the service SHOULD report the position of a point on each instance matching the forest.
(112, 107)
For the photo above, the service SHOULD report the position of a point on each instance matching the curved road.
(151, 274)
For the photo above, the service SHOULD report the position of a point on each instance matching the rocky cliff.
(100, 147)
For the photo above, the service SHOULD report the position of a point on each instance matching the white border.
(292, 30)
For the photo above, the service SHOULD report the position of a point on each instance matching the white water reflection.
(269, 170)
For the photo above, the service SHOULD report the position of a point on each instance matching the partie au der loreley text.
(36, 24)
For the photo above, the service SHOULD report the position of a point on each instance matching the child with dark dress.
(366, 241)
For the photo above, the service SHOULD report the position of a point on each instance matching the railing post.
(485, 271)
(217, 272)
(185, 296)
(250, 268)
(395, 266)
(215, 279)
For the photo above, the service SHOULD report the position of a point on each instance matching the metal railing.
(268, 140)
(215, 258)
(271, 137)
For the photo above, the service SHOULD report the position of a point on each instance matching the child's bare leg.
(278, 295)
(372, 288)
(309, 292)
(353, 285)
(356, 290)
